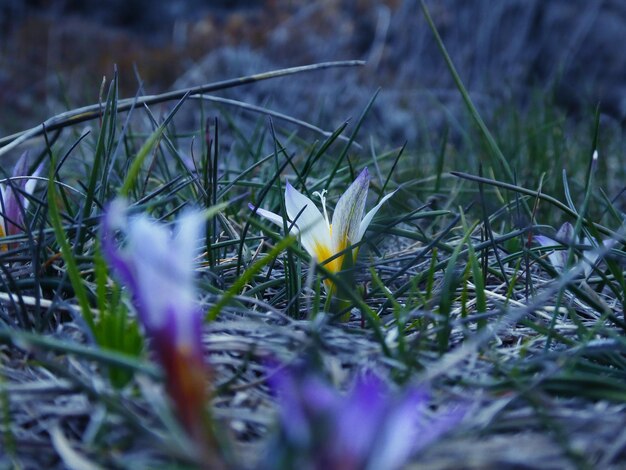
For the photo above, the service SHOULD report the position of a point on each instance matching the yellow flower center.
(323, 252)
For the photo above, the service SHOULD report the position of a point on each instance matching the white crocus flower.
(565, 237)
(592, 255)
(320, 237)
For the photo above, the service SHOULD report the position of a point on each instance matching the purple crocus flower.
(368, 428)
(156, 266)
(13, 202)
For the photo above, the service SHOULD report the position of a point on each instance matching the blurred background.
(55, 53)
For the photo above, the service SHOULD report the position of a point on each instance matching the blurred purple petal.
(156, 265)
(114, 219)
(401, 434)
(292, 411)
(361, 417)
(369, 427)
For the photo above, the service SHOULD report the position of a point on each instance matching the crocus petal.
(360, 420)
(410, 427)
(370, 427)
(3, 221)
(558, 258)
(271, 216)
(315, 234)
(301, 208)
(14, 201)
(164, 266)
(29, 187)
(3, 225)
(370, 215)
(187, 239)
(148, 249)
(545, 241)
(399, 434)
(293, 417)
(591, 256)
(349, 212)
(319, 396)
(565, 234)
(13, 218)
(115, 219)
(21, 166)
(156, 265)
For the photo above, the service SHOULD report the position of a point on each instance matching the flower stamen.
(322, 196)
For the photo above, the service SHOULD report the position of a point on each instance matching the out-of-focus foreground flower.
(565, 237)
(156, 266)
(321, 238)
(370, 427)
(13, 202)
